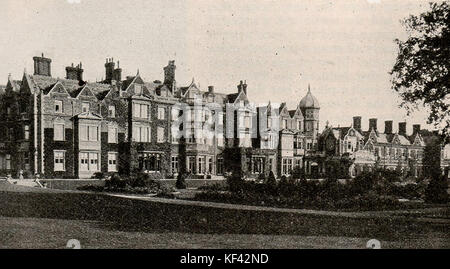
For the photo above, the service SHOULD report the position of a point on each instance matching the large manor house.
(71, 128)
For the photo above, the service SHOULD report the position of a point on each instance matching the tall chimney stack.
(357, 123)
(416, 128)
(373, 124)
(117, 74)
(169, 75)
(74, 73)
(109, 70)
(42, 66)
(388, 127)
(402, 128)
(240, 86)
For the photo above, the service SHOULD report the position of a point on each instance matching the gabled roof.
(13, 85)
(417, 140)
(88, 115)
(232, 98)
(100, 90)
(84, 89)
(58, 86)
(283, 110)
(382, 138)
(153, 86)
(46, 84)
(297, 113)
(184, 90)
(16, 85)
(403, 140)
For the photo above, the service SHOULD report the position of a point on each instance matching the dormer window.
(111, 111)
(58, 106)
(85, 107)
(137, 88)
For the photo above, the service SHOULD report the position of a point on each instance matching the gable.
(285, 112)
(372, 136)
(58, 88)
(241, 98)
(298, 113)
(26, 87)
(396, 140)
(86, 93)
(191, 91)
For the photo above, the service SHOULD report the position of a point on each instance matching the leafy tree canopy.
(421, 72)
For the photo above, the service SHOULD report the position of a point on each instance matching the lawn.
(54, 234)
(46, 218)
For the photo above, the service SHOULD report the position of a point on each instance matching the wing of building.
(72, 128)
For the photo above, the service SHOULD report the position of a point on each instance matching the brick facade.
(70, 128)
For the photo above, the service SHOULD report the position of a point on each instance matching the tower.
(310, 108)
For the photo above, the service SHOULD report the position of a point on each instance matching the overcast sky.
(344, 49)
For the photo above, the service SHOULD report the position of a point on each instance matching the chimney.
(42, 66)
(240, 86)
(244, 87)
(357, 122)
(416, 128)
(402, 128)
(117, 75)
(388, 127)
(74, 73)
(373, 124)
(211, 89)
(109, 68)
(169, 75)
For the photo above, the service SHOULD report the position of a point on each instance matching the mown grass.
(129, 215)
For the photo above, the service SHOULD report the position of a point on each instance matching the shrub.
(235, 182)
(407, 191)
(91, 187)
(436, 191)
(271, 182)
(181, 182)
(98, 175)
(213, 187)
(166, 191)
(298, 173)
(115, 182)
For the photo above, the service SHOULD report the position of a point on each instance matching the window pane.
(58, 132)
(83, 133)
(136, 110)
(93, 133)
(112, 135)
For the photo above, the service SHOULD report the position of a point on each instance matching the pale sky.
(343, 49)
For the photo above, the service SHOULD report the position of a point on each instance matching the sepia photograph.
(245, 126)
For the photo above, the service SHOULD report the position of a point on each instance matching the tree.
(436, 191)
(432, 157)
(421, 72)
(181, 181)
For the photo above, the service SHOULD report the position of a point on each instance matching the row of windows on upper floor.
(298, 125)
(397, 153)
(85, 107)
